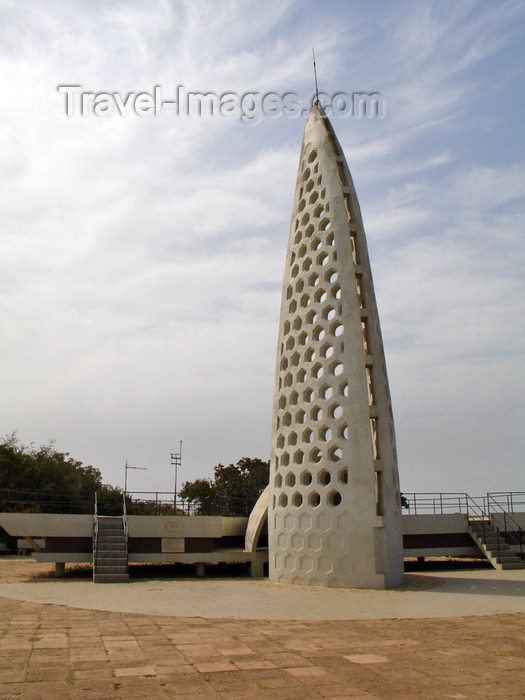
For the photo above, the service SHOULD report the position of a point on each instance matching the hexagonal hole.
(322, 259)
(298, 322)
(297, 499)
(290, 343)
(334, 498)
(342, 475)
(282, 402)
(307, 264)
(316, 413)
(325, 434)
(283, 500)
(305, 300)
(278, 481)
(309, 355)
(343, 431)
(288, 379)
(300, 416)
(312, 156)
(289, 292)
(324, 477)
(317, 371)
(309, 230)
(298, 237)
(335, 454)
(344, 389)
(285, 459)
(324, 224)
(313, 280)
(298, 457)
(327, 350)
(303, 338)
(299, 286)
(308, 435)
(336, 368)
(305, 478)
(292, 306)
(331, 276)
(335, 411)
(320, 296)
(337, 329)
(280, 442)
(294, 398)
(292, 438)
(316, 243)
(315, 455)
(301, 376)
(302, 251)
(329, 313)
(318, 333)
(290, 479)
(330, 239)
(319, 211)
(308, 395)
(314, 499)
(284, 363)
(295, 270)
(313, 197)
(326, 392)
(311, 317)
(287, 327)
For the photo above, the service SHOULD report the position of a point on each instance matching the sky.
(142, 256)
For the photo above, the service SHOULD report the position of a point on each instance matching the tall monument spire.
(334, 509)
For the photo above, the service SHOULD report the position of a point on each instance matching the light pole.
(176, 461)
(126, 475)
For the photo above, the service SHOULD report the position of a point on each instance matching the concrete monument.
(334, 514)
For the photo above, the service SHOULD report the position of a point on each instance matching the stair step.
(508, 566)
(111, 578)
(113, 546)
(510, 560)
(110, 559)
(101, 569)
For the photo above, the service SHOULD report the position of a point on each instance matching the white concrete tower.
(334, 514)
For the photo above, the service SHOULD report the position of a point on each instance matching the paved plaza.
(191, 638)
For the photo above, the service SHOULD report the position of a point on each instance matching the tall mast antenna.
(315, 79)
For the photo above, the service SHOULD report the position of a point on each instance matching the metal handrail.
(95, 529)
(507, 519)
(125, 522)
(511, 499)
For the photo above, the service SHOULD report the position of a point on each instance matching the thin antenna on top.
(315, 78)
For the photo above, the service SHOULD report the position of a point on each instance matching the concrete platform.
(433, 595)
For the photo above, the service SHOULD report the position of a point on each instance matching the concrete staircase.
(110, 560)
(492, 545)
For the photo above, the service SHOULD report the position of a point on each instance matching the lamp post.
(176, 462)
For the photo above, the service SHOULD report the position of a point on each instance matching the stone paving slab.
(148, 656)
(50, 650)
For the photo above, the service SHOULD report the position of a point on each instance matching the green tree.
(233, 491)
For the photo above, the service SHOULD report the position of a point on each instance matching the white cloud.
(141, 259)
